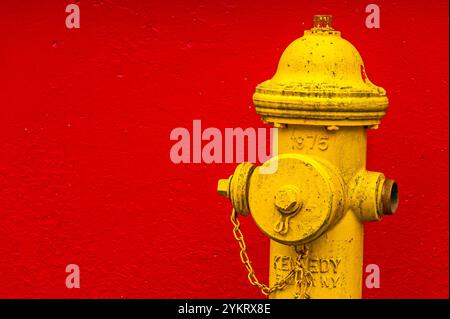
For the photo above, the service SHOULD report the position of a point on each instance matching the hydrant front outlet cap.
(298, 202)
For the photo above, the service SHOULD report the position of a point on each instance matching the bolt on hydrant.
(312, 197)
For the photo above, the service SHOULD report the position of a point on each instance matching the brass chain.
(266, 290)
(305, 275)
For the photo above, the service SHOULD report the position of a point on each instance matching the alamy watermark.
(73, 279)
(373, 19)
(373, 276)
(210, 145)
(73, 19)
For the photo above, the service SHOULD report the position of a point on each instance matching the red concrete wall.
(85, 173)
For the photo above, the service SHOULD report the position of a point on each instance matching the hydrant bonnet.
(321, 80)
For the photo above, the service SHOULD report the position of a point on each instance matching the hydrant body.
(312, 197)
(335, 258)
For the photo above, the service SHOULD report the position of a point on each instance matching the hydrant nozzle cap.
(389, 197)
(223, 187)
(321, 80)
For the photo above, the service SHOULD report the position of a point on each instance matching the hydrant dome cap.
(320, 78)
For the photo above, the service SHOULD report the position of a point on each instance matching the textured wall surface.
(85, 172)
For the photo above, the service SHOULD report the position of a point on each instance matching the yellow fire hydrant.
(312, 197)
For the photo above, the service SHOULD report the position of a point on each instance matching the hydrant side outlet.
(313, 206)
